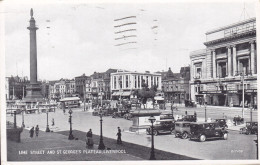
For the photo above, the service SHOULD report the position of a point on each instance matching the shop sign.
(210, 92)
(250, 91)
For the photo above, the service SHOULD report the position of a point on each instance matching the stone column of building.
(234, 60)
(252, 57)
(214, 63)
(191, 70)
(229, 61)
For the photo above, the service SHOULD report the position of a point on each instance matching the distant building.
(80, 82)
(229, 57)
(123, 83)
(16, 87)
(176, 85)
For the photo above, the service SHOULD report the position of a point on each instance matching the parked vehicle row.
(194, 130)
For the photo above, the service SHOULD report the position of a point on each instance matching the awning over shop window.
(128, 93)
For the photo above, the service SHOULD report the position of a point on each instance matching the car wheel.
(185, 135)
(155, 133)
(225, 136)
(202, 138)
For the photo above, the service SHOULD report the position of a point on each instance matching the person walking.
(37, 131)
(52, 122)
(119, 141)
(31, 132)
(89, 140)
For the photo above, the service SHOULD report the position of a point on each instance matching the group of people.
(89, 139)
(36, 130)
(31, 132)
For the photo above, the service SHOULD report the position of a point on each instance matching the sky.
(77, 38)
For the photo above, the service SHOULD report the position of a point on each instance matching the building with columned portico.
(229, 61)
(123, 83)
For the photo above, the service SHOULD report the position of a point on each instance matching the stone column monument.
(33, 90)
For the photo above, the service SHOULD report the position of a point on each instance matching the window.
(126, 82)
(222, 69)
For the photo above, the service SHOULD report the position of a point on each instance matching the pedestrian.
(31, 132)
(89, 140)
(37, 131)
(52, 122)
(119, 141)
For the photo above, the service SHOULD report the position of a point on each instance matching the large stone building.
(16, 87)
(176, 86)
(122, 83)
(229, 59)
(80, 83)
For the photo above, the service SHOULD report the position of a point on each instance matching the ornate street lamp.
(152, 156)
(71, 137)
(23, 117)
(15, 119)
(47, 127)
(101, 145)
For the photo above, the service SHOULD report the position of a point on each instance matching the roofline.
(231, 25)
(157, 74)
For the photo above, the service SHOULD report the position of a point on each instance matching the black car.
(204, 131)
(251, 128)
(222, 123)
(162, 126)
(190, 118)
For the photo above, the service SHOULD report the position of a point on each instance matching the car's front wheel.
(202, 138)
(155, 133)
(185, 135)
(225, 136)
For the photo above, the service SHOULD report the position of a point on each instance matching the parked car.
(250, 128)
(162, 126)
(189, 103)
(190, 118)
(182, 129)
(204, 131)
(222, 123)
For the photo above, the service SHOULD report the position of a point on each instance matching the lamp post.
(152, 156)
(23, 117)
(101, 145)
(15, 119)
(47, 127)
(243, 91)
(205, 111)
(71, 137)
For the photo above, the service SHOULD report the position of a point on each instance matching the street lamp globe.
(152, 119)
(70, 111)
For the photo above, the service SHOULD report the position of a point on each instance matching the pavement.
(56, 147)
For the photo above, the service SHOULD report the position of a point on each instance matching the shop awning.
(128, 93)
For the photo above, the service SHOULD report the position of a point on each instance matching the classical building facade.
(122, 83)
(16, 87)
(229, 60)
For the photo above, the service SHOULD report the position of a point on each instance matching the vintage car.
(161, 126)
(189, 103)
(128, 116)
(182, 129)
(204, 131)
(222, 123)
(250, 128)
(190, 118)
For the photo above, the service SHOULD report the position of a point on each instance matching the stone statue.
(31, 12)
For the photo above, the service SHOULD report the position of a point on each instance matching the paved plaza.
(238, 146)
